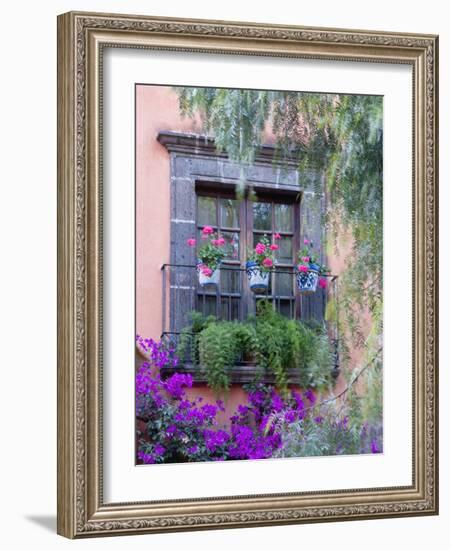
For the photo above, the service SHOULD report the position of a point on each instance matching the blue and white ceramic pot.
(258, 279)
(307, 280)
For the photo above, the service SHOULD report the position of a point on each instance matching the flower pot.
(307, 280)
(258, 279)
(206, 280)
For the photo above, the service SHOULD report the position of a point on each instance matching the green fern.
(276, 343)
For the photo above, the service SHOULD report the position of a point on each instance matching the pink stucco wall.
(156, 109)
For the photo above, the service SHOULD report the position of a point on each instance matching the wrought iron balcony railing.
(232, 299)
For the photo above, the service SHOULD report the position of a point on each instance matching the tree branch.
(347, 388)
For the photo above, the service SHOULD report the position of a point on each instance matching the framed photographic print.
(247, 282)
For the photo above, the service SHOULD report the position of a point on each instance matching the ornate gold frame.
(81, 37)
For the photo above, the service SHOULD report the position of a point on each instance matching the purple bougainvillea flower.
(192, 450)
(309, 394)
(277, 403)
(176, 383)
(171, 429)
(243, 410)
(256, 398)
(159, 450)
(214, 439)
(298, 400)
(290, 416)
(209, 410)
(146, 457)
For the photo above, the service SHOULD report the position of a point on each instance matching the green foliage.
(285, 344)
(210, 252)
(188, 349)
(275, 343)
(308, 438)
(350, 423)
(236, 118)
(220, 345)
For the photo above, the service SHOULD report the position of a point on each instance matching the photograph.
(258, 274)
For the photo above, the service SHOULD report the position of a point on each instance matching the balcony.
(232, 300)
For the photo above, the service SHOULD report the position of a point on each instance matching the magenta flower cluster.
(173, 428)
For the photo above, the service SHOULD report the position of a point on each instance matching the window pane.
(230, 309)
(284, 254)
(229, 213)
(284, 284)
(231, 244)
(286, 308)
(229, 280)
(207, 305)
(262, 216)
(283, 218)
(206, 211)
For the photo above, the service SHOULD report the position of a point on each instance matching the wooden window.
(272, 217)
(242, 224)
(224, 213)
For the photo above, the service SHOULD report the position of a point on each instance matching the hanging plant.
(210, 255)
(276, 344)
(259, 264)
(310, 273)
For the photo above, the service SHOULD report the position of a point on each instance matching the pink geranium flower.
(267, 262)
(260, 248)
(274, 247)
(206, 271)
(305, 259)
(277, 236)
(191, 242)
(305, 241)
(207, 230)
(303, 268)
(220, 241)
(323, 283)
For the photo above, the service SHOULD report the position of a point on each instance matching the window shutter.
(183, 280)
(312, 306)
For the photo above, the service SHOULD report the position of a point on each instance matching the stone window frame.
(195, 161)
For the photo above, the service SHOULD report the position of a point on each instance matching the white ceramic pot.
(213, 280)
